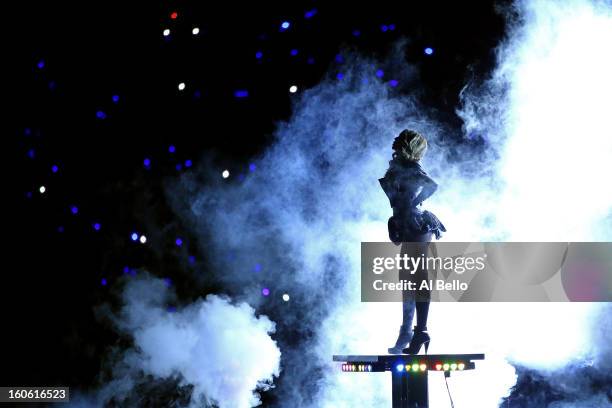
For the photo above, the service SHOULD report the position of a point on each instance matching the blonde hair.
(410, 145)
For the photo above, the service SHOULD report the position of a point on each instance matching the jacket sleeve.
(428, 187)
(390, 187)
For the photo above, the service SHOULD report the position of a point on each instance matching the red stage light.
(174, 15)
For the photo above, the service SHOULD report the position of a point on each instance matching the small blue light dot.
(134, 236)
(197, 94)
(97, 226)
(31, 153)
(384, 28)
(241, 93)
(393, 82)
(285, 25)
(339, 59)
(339, 75)
(294, 52)
(168, 282)
(41, 64)
(310, 60)
(259, 55)
(356, 33)
(126, 269)
(178, 242)
(257, 267)
(429, 51)
(100, 114)
(188, 163)
(146, 162)
(54, 168)
(380, 73)
(179, 166)
(191, 259)
(252, 167)
(172, 148)
(103, 282)
(391, 27)
(310, 13)
(115, 98)
(74, 209)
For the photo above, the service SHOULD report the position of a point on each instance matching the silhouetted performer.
(407, 186)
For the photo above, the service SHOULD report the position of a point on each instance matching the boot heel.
(426, 347)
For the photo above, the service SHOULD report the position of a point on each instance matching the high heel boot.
(404, 337)
(420, 337)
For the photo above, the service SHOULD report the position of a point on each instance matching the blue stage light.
(259, 55)
(134, 236)
(294, 52)
(339, 75)
(168, 282)
(103, 282)
(384, 28)
(339, 59)
(97, 226)
(115, 98)
(310, 13)
(285, 25)
(146, 162)
(74, 209)
(31, 153)
(172, 148)
(178, 167)
(310, 60)
(100, 114)
(252, 167)
(399, 367)
(54, 168)
(126, 269)
(41, 64)
(257, 267)
(356, 33)
(391, 27)
(380, 73)
(393, 82)
(241, 93)
(428, 51)
(178, 242)
(188, 163)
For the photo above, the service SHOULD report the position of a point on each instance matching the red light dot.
(174, 15)
(438, 367)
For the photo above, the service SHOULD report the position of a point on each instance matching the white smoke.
(221, 349)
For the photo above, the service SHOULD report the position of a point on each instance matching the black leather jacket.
(407, 186)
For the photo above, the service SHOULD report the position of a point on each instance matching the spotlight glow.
(143, 239)
(42, 189)
(181, 86)
(166, 32)
(225, 174)
(195, 31)
(286, 297)
(293, 89)
(399, 367)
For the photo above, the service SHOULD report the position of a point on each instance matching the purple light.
(428, 51)
(146, 162)
(393, 82)
(100, 114)
(380, 73)
(265, 291)
(41, 64)
(294, 52)
(171, 148)
(74, 209)
(241, 93)
(252, 167)
(97, 226)
(259, 55)
(54, 168)
(179, 242)
(103, 282)
(188, 163)
(115, 98)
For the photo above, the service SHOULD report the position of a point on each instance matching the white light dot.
(181, 86)
(166, 32)
(143, 239)
(286, 297)
(293, 89)
(195, 31)
(225, 173)
(42, 189)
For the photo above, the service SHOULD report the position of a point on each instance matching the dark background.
(52, 280)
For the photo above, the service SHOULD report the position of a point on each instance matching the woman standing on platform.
(407, 186)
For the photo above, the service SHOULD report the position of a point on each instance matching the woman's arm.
(428, 187)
